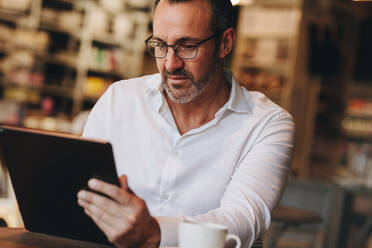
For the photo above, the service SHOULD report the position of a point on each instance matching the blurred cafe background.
(313, 57)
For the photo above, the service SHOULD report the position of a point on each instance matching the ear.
(227, 42)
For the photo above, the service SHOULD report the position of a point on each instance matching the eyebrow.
(183, 39)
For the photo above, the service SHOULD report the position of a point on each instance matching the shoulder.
(125, 94)
(254, 104)
(267, 123)
(118, 102)
(261, 105)
(137, 85)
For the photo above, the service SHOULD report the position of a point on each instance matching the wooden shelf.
(358, 127)
(365, 116)
(67, 57)
(361, 90)
(70, 60)
(105, 73)
(91, 99)
(54, 28)
(6, 47)
(45, 88)
(265, 35)
(358, 137)
(279, 67)
(107, 39)
(11, 16)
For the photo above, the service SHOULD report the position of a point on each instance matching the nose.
(172, 61)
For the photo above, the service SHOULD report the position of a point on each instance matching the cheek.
(160, 65)
(198, 67)
(194, 68)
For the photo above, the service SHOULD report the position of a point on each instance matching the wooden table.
(21, 238)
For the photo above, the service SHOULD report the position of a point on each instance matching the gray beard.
(198, 86)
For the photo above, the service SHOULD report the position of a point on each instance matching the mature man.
(191, 142)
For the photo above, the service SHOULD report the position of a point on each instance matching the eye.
(188, 46)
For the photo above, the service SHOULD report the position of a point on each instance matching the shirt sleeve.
(98, 118)
(255, 188)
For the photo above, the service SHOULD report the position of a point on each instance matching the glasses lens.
(187, 51)
(183, 51)
(157, 49)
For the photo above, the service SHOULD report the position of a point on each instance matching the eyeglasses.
(184, 50)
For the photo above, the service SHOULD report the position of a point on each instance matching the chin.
(183, 98)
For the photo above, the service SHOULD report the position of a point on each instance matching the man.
(190, 141)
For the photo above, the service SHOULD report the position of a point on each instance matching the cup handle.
(234, 237)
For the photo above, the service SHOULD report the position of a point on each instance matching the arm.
(258, 183)
(255, 187)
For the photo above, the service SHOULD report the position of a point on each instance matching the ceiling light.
(235, 2)
(243, 2)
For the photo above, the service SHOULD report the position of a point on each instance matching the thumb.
(123, 179)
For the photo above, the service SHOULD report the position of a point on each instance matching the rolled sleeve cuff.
(169, 230)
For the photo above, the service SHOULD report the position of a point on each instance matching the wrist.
(154, 236)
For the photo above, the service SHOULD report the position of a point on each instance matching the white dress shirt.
(231, 171)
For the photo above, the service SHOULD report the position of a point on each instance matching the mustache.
(178, 72)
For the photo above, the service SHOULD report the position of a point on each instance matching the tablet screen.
(47, 170)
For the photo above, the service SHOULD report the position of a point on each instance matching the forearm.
(247, 225)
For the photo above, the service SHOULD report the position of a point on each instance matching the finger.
(100, 215)
(112, 227)
(108, 230)
(104, 203)
(111, 190)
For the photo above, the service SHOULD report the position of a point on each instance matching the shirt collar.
(238, 100)
(154, 84)
(154, 90)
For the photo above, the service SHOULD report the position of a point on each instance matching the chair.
(257, 244)
(288, 217)
(304, 217)
(361, 209)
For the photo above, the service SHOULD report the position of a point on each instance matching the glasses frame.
(175, 46)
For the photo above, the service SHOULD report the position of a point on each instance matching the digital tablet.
(47, 170)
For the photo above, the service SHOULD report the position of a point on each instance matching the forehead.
(173, 21)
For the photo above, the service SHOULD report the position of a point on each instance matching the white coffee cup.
(193, 234)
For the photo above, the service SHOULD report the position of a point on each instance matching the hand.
(124, 219)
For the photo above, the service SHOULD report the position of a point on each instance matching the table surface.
(21, 238)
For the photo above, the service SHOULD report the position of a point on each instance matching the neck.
(203, 108)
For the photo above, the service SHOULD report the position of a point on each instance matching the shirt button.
(166, 197)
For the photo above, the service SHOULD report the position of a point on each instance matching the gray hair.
(222, 13)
